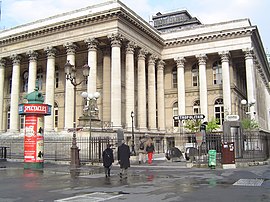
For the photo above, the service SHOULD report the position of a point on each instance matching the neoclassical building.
(174, 65)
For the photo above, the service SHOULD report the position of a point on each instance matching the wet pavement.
(161, 181)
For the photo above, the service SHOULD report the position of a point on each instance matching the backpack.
(141, 146)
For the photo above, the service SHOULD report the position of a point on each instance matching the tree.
(193, 125)
(212, 125)
(249, 124)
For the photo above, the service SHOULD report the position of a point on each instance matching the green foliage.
(212, 125)
(249, 124)
(193, 125)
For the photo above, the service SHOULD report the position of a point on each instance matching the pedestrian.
(142, 152)
(123, 155)
(150, 150)
(108, 159)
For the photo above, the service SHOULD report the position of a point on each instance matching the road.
(165, 181)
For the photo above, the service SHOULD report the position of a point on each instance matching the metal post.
(75, 162)
(133, 153)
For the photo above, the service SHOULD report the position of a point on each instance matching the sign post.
(34, 112)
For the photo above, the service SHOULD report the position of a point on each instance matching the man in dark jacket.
(108, 159)
(123, 154)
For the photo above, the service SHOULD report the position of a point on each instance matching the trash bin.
(212, 158)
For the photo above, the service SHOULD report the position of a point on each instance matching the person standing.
(123, 154)
(108, 159)
(150, 150)
(142, 152)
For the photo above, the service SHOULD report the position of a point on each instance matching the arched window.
(40, 78)
(56, 76)
(175, 113)
(219, 111)
(25, 81)
(217, 72)
(195, 74)
(196, 107)
(174, 77)
(56, 116)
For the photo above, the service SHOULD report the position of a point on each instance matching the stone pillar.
(180, 61)
(152, 115)
(203, 85)
(141, 114)
(116, 101)
(50, 88)
(2, 81)
(251, 91)
(130, 91)
(32, 76)
(160, 96)
(15, 92)
(92, 44)
(106, 95)
(226, 82)
(69, 91)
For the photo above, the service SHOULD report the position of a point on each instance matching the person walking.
(142, 152)
(150, 150)
(108, 159)
(123, 154)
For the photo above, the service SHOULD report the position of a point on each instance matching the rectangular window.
(217, 76)
(195, 79)
(174, 79)
(56, 79)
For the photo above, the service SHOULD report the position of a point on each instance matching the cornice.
(209, 37)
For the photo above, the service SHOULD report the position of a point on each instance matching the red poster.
(30, 138)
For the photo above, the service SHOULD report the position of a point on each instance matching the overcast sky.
(18, 12)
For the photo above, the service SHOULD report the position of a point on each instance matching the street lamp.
(70, 72)
(251, 110)
(91, 108)
(133, 153)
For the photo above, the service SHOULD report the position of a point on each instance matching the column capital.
(92, 43)
(142, 54)
(16, 59)
(2, 63)
(248, 53)
(50, 51)
(225, 56)
(130, 47)
(160, 65)
(116, 39)
(201, 59)
(70, 48)
(32, 55)
(180, 61)
(152, 59)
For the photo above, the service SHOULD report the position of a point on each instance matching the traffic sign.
(189, 117)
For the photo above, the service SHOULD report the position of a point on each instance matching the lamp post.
(70, 73)
(91, 107)
(251, 110)
(133, 153)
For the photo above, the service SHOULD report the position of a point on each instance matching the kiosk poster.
(30, 139)
(40, 139)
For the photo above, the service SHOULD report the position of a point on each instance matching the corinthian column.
(69, 101)
(92, 44)
(152, 93)
(251, 91)
(141, 115)
(130, 93)
(106, 94)
(2, 81)
(15, 91)
(50, 81)
(32, 70)
(203, 85)
(116, 100)
(180, 61)
(160, 95)
(226, 82)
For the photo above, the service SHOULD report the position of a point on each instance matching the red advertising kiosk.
(34, 112)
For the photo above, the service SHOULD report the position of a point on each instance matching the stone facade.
(135, 68)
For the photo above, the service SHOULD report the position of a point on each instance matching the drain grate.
(249, 182)
(93, 197)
